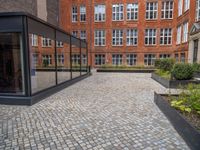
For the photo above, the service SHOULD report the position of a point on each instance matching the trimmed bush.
(196, 67)
(182, 71)
(165, 64)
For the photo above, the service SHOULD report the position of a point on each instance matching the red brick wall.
(141, 25)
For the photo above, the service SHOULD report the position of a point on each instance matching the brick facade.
(140, 24)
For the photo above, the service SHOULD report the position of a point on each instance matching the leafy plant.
(164, 74)
(165, 64)
(188, 100)
(182, 71)
(196, 67)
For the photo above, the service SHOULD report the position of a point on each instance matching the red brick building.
(130, 32)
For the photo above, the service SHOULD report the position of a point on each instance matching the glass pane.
(11, 64)
(42, 63)
(83, 58)
(75, 57)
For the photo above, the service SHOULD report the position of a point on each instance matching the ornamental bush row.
(179, 71)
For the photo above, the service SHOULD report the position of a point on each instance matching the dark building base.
(19, 100)
(173, 83)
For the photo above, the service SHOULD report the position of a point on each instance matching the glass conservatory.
(37, 59)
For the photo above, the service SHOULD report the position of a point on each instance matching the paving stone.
(104, 111)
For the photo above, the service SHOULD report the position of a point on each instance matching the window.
(46, 42)
(186, 5)
(166, 36)
(60, 59)
(83, 35)
(162, 56)
(75, 33)
(59, 44)
(150, 36)
(180, 6)
(149, 59)
(99, 38)
(132, 11)
(177, 57)
(185, 32)
(99, 59)
(182, 57)
(131, 59)
(47, 60)
(117, 12)
(100, 12)
(151, 10)
(84, 59)
(167, 10)
(82, 13)
(197, 10)
(74, 14)
(35, 59)
(117, 37)
(131, 37)
(34, 39)
(178, 37)
(75, 59)
(117, 59)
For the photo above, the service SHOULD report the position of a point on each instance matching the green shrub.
(188, 100)
(165, 64)
(182, 71)
(196, 67)
(164, 74)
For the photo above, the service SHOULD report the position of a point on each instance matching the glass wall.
(42, 56)
(83, 58)
(11, 64)
(63, 57)
(75, 57)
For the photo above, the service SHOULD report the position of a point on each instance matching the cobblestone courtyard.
(104, 111)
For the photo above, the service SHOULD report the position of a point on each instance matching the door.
(195, 53)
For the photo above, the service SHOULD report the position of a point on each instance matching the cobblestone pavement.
(105, 111)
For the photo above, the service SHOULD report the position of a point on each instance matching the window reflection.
(42, 63)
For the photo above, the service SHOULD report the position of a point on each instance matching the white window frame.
(151, 13)
(34, 40)
(164, 56)
(75, 59)
(117, 37)
(150, 36)
(59, 44)
(180, 7)
(82, 13)
(60, 59)
(131, 37)
(197, 10)
(99, 38)
(186, 5)
(132, 11)
(46, 42)
(166, 36)
(74, 13)
(48, 58)
(117, 59)
(100, 59)
(117, 12)
(131, 59)
(75, 33)
(83, 35)
(179, 33)
(99, 13)
(167, 12)
(185, 32)
(149, 59)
